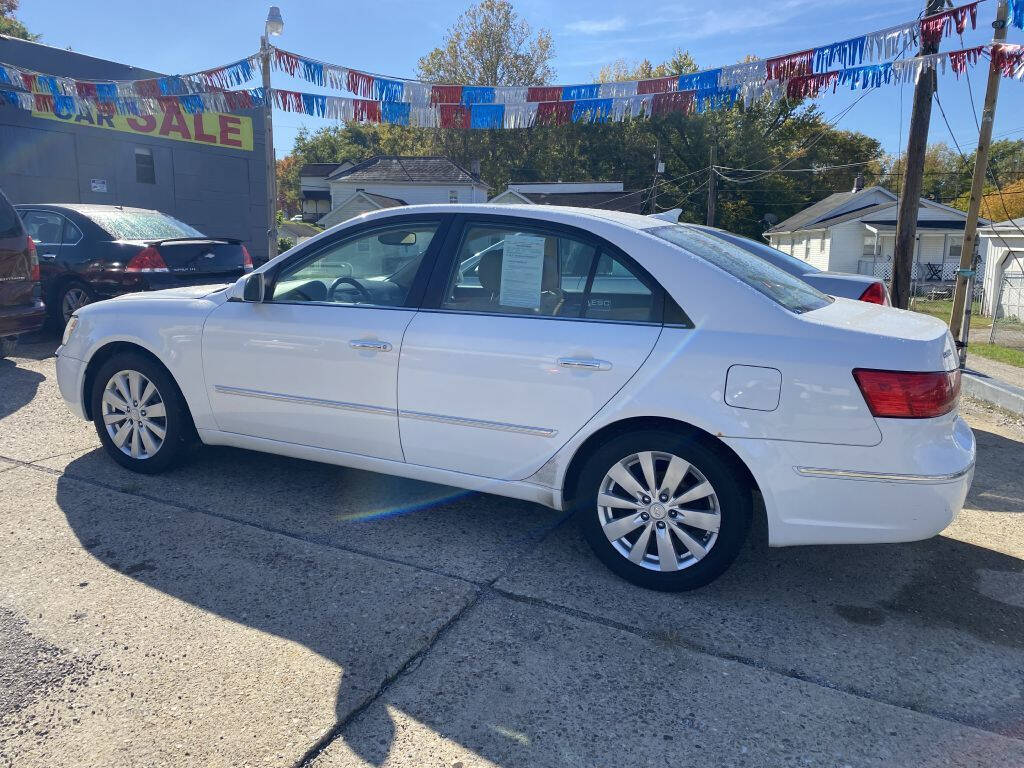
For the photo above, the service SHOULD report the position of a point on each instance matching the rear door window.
(45, 227)
(765, 278)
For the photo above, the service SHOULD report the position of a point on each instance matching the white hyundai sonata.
(649, 376)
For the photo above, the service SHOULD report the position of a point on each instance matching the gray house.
(206, 169)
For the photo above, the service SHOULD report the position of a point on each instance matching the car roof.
(88, 208)
(559, 213)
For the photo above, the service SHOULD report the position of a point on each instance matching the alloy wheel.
(658, 511)
(74, 299)
(134, 414)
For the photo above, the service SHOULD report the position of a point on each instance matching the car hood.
(184, 292)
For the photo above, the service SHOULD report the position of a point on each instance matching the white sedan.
(653, 378)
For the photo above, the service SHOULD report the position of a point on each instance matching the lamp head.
(275, 24)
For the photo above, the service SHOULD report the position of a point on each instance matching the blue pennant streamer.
(387, 90)
(395, 112)
(10, 97)
(171, 86)
(848, 53)
(477, 94)
(106, 92)
(258, 98)
(700, 80)
(314, 104)
(868, 76)
(1016, 13)
(63, 106)
(3, 76)
(716, 98)
(312, 71)
(191, 102)
(50, 83)
(486, 115)
(573, 92)
(592, 110)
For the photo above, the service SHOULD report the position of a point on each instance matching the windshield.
(766, 278)
(791, 264)
(135, 225)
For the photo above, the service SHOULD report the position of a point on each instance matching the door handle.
(378, 346)
(48, 256)
(586, 364)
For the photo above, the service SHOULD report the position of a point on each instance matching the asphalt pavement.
(252, 610)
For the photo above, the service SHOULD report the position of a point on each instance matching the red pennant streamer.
(289, 101)
(807, 86)
(360, 83)
(959, 60)
(554, 113)
(366, 111)
(169, 103)
(86, 90)
(934, 27)
(658, 85)
(544, 93)
(446, 94)
(454, 116)
(29, 80)
(790, 65)
(1009, 59)
(238, 100)
(148, 89)
(677, 101)
(286, 61)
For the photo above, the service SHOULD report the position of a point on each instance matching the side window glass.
(72, 234)
(376, 268)
(44, 227)
(618, 294)
(519, 272)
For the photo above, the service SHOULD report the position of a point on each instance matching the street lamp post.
(274, 26)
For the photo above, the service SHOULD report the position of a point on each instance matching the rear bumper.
(22, 319)
(71, 381)
(828, 494)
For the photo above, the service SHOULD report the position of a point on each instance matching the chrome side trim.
(225, 390)
(500, 426)
(883, 477)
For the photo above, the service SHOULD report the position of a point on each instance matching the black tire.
(734, 507)
(8, 344)
(179, 432)
(58, 297)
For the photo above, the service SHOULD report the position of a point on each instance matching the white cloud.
(597, 26)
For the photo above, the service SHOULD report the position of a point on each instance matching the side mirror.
(250, 288)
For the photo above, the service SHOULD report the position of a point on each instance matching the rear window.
(129, 225)
(780, 259)
(10, 224)
(779, 286)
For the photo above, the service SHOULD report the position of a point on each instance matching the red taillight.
(33, 259)
(246, 259)
(875, 294)
(908, 395)
(146, 260)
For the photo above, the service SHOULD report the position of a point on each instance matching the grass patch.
(1000, 354)
(943, 308)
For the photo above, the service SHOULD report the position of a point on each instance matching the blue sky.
(389, 37)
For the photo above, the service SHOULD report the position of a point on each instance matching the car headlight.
(69, 329)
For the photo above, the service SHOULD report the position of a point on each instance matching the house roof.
(319, 170)
(1014, 224)
(407, 170)
(298, 228)
(817, 212)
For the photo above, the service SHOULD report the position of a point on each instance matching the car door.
(316, 362)
(520, 342)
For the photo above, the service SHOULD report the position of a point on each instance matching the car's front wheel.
(663, 510)
(140, 415)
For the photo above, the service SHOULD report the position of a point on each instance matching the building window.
(145, 171)
(869, 245)
(453, 196)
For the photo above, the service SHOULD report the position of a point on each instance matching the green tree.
(490, 44)
(9, 25)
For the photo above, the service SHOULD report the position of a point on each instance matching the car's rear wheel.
(140, 415)
(663, 510)
(68, 298)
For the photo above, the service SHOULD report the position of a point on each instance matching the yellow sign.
(215, 128)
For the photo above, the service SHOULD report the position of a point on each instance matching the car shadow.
(18, 386)
(995, 490)
(944, 590)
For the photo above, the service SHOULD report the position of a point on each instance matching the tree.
(680, 63)
(490, 44)
(996, 206)
(9, 25)
(289, 196)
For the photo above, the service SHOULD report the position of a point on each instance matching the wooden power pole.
(712, 186)
(913, 175)
(960, 298)
(268, 144)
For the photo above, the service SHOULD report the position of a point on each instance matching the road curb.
(994, 391)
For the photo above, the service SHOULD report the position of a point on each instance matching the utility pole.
(274, 26)
(712, 185)
(913, 174)
(967, 255)
(659, 168)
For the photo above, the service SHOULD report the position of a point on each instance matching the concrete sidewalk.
(995, 383)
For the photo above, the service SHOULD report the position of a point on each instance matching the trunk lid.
(206, 255)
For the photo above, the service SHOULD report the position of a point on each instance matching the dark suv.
(21, 311)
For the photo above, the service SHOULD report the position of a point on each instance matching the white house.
(608, 195)
(315, 189)
(385, 181)
(1001, 246)
(856, 231)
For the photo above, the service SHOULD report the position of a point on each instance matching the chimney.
(474, 168)
(858, 182)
